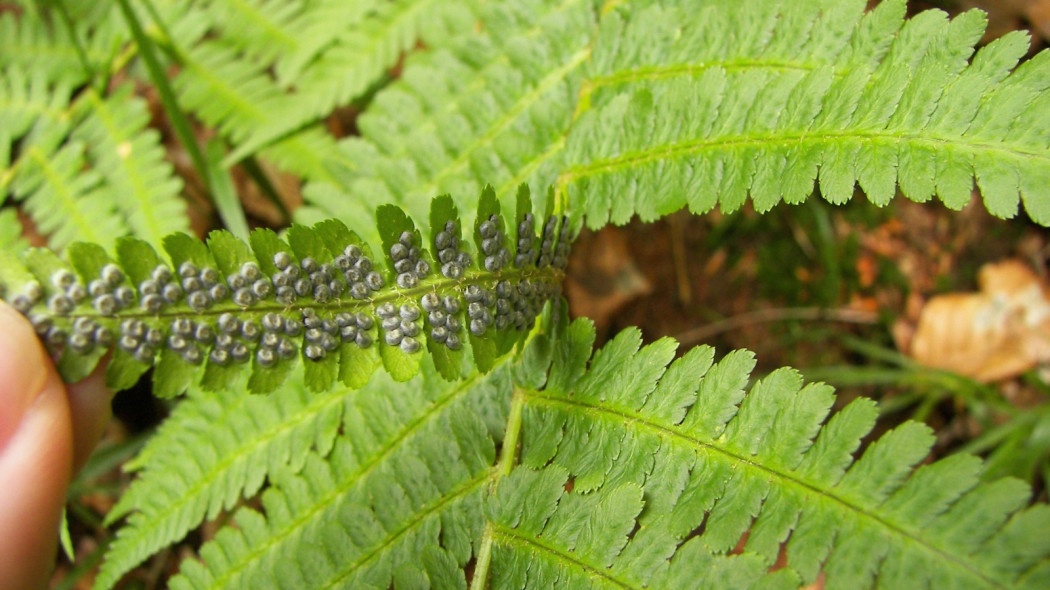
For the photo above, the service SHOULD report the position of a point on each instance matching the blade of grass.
(231, 212)
(223, 194)
(996, 435)
(64, 540)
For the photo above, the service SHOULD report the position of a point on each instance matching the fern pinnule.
(220, 309)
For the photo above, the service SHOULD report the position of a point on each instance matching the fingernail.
(23, 370)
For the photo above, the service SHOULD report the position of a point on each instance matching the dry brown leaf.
(997, 333)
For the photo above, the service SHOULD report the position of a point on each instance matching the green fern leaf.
(84, 164)
(190, 472)
(764, 100)
(346, 51)
(642, 488)
(269, 70)
(131, 160)
(490, 107)
(757, 473)
(11, 232)
(33, 40)
(263, 29)
(63, 198)
(398, 498)
(220, 309)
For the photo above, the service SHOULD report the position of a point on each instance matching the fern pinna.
(321, 296)
(497, 448)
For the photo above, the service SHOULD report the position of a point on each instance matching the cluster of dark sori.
(442, 316)
(554, 245)
(492, 238)
(453, 261)
(526, 252)
(140, 339)
(409, 265)
(322, 336)
(401, 325)
(553, 250)
(321, 282)
(201, 287)
(66, 292)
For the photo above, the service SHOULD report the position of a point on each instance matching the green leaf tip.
(210, 312)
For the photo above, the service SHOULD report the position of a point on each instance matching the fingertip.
(35, 454)
(24, 369)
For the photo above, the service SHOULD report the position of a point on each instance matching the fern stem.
(479, 580)
(507, 459)
(511, 438)
(762, 316)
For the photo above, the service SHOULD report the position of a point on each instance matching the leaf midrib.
(510, 537)
(635, 419)
(350, 479)
(685, 148)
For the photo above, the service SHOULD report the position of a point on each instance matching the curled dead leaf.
(997, 333)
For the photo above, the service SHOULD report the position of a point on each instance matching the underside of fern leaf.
(618, 470)
(211, 311)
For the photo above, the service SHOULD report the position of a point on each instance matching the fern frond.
(262, 29)
(485, 109)
(191, 471)
(83, 163)
(223, 90)
(61, 194)
(38, 43)
(398, 498)
(717, 467)
(129, 157)
(85, 167)
(704, 107)
(347, 52)
(269, 70)
(220, 310)
(635, 472)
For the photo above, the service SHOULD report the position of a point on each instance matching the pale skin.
(47, 431)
